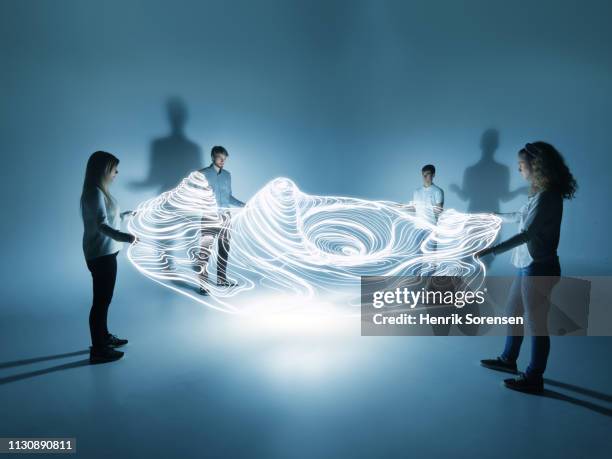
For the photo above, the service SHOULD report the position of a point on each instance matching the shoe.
(525, 384)
(113, 341)
(204, 291)
(226, 284)
(500, 364)
(103, 354)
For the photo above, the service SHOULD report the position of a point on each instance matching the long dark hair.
(549, 169)
(99, 166)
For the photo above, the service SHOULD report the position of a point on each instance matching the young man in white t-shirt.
(428, 200)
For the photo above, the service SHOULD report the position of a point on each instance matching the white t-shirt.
(425, 199)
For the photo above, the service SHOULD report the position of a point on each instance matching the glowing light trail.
(300, 245)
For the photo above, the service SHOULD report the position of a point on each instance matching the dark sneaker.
(204, 291)
(113, 341)
(500, 364)
(226, 283)
(525, 384)
(103, 354)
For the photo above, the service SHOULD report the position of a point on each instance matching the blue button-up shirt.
(221, 184)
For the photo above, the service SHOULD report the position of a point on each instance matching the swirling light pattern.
(299, 245)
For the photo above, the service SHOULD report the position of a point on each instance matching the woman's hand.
(133, 239)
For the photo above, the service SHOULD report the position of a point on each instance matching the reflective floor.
(199, 383)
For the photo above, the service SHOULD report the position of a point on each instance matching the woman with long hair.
(535, 256)
(101, 244)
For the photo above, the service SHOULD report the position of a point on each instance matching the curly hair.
(549, 169)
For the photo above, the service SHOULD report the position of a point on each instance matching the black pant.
(104, 273)
(223, 236)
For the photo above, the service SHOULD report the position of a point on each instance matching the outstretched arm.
(508, 244)
(536, 217)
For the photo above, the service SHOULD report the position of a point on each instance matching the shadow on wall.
(174, 156)
(486, 184)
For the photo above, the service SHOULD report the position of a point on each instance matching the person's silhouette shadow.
(174, 156)
(598, 408)
(44, 371)
(487, 183)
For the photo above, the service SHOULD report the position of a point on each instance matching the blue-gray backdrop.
(344, 97)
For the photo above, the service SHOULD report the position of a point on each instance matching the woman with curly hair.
(535, 256)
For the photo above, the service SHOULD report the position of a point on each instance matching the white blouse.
(101, 224)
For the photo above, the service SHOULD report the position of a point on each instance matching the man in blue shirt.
(220, 181)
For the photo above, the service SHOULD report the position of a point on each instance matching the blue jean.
(530, 293)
